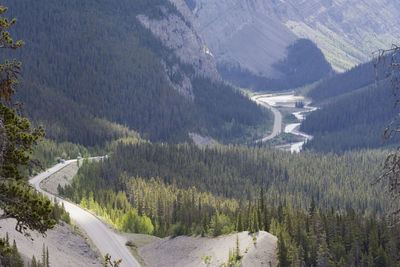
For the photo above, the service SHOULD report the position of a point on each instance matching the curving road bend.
(102, 237)
(276, 130)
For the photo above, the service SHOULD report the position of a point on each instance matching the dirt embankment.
(187, 251)
(63, 177)
(66, 247)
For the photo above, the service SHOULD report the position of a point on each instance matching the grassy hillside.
(90, 67)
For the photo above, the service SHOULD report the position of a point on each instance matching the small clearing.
(202, 141)
(187, 251)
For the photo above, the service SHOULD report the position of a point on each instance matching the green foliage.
(17, 199)
(352, 121)
(111, 263)
(133, 223)
(354, 111)
(228, 115)
(19, 143)
(30, 209)
(206, 259)
(239, 172)
(58, 213)
(10, 69)
(45, 259)
(283, 254)
(234, 257)
(233, 260)
(177, 229)
(9, 255)
(47, 152)
(221, 224)
(120, 214)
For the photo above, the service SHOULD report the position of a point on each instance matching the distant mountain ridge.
(255, 33)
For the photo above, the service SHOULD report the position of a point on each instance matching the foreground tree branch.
(387, 68)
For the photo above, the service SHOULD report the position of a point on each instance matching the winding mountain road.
(276, 130)
(102, 237)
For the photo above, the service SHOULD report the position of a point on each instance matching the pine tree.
(312, 207)
(283, 253)
(237, 250)
(261, 210)
(7, 240)
(47, 258)
(255, 226)
(17, 139)
(44, 255)
(15, 258)
(239, 224)
(33, 262)
(323, 255)
(217, 228)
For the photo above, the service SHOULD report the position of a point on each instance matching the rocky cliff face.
(180, 34)
(256, 32)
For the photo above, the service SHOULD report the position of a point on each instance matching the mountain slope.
(353, 121)
(354, 111)
(304, 64)
(347, 82)
(90, 67)
(346, 31)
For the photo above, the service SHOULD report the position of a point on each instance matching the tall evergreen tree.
(283, 253)
(17, 199)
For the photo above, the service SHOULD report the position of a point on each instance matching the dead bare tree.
(387, 69)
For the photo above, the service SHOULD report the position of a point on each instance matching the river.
(277, 102)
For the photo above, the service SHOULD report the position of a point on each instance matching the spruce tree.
(283, 253)
(33, 262)
(17, 199)
(239, 224)
(44, 255)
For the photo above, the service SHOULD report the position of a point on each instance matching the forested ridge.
(92, 73)
(166, 189)
(340, 84)
(354, 111)
(353, 121)
(334, 181)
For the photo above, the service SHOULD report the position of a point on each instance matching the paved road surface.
(277, 119)
(102, 237)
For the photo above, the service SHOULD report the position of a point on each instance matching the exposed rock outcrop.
(179, 34)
